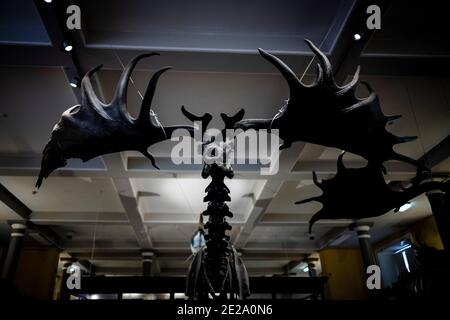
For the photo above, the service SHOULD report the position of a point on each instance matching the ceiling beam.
(77, 246)
(29, 166)
(437, 154)
(118, 270)
(371, 64)
(345, 56)
(306, 246)
(297, 219)
(52, 238)
(67, 218)
(347, 51)
(335, 236)
(14, 203)
(54, 24)
(183, 255)
(157, 219)
(287, 160)
(114, 163)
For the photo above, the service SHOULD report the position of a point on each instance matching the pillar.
(368, 255)
(312, 272)
(64, 292)
(147, 257)
(440, 206)
(14, 249)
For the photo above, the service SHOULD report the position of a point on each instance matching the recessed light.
(405, 207)
(67, 46)
(357, 36)
(74, 83)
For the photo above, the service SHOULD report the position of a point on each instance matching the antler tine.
(87, 91)
(352, 84)
(288, 74)
(340, 162)
(120, 95)
(319, 77)
(314, 219)
(205, 118)
(324, 62)
(230, 121)
(316, 180)
(144, 113)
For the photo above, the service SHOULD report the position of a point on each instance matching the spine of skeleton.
(217, 249)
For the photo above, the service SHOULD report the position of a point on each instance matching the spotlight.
(405, 207)
(305, 269)
(67, 46)
(357, 36)
(72, 268)
(75, 83)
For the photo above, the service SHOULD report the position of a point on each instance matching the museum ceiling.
(217, 69)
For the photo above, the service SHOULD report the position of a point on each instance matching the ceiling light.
(357, 36)
(405, 261)
(67, 46)
(74, 83)
(48, 1)
(403, 248)
(405, 207)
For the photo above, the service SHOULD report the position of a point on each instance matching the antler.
(94, 128)
(331, 115)
(357, 193)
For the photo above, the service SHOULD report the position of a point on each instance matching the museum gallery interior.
(224, 150)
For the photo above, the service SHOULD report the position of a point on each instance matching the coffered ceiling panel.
(66, 194)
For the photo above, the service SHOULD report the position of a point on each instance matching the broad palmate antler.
(94, 128)
(331, 115)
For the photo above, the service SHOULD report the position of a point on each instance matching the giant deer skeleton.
(322, 113)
